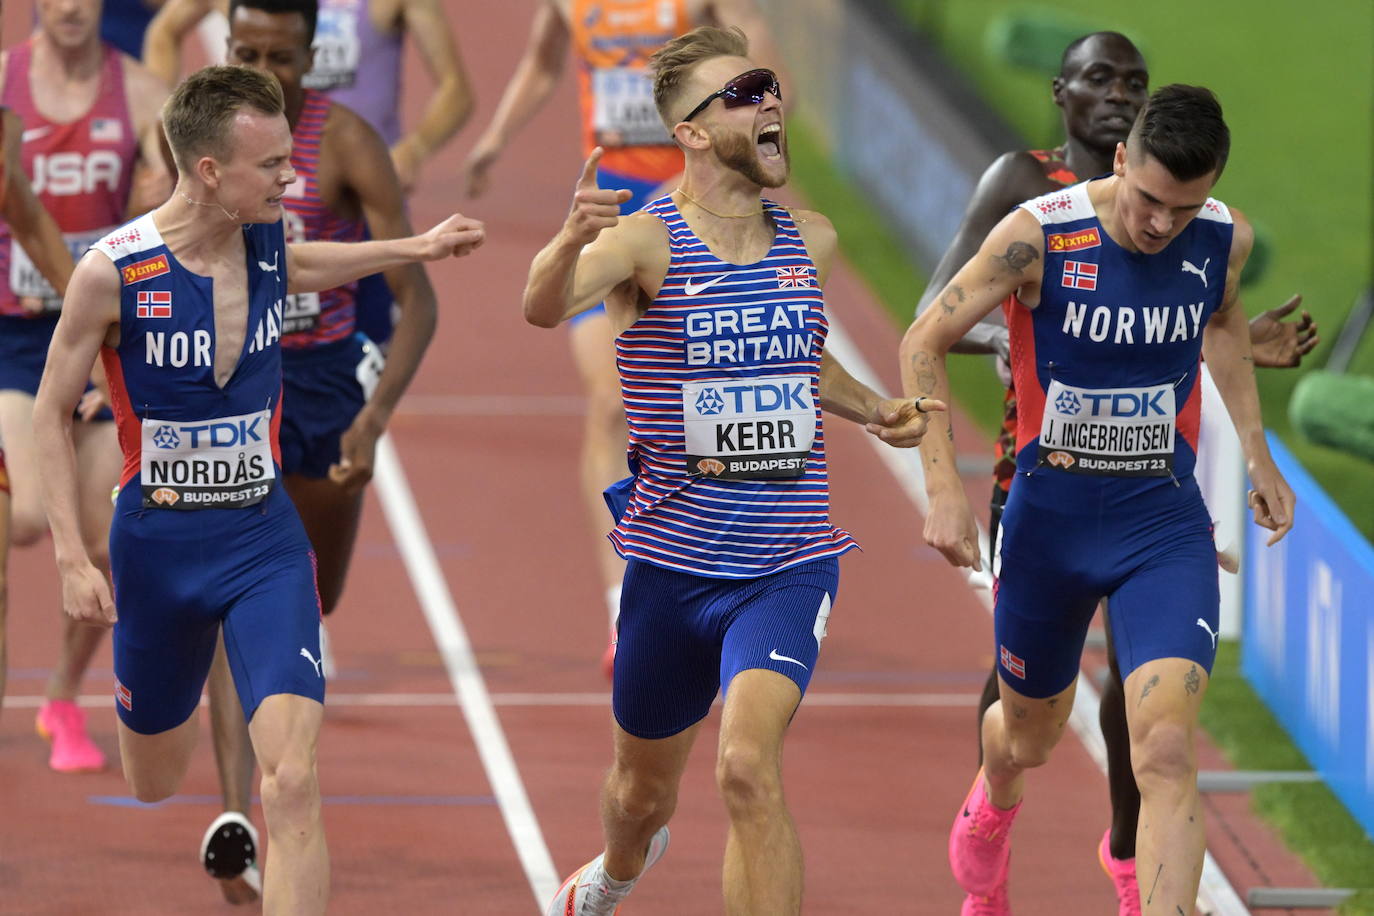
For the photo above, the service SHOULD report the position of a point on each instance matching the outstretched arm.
(1010, 260)
(1226, 347)
(313, 266)
(529, 88)
(90, 312)
(162, 42)
(33, 228)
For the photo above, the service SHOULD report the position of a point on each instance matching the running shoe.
(999, 904)
(229, 849)
(585, 892)
(1122, 873)
(979, 842)
(64, 724)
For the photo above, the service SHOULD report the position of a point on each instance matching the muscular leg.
(154, 765)
(1163, 699)
(640, 795)
(285, 730)
(4, 590)
(1125, 795)
(97, 468)
(330, 515)
(763, 857)
(991, 687)
(28, 522)
(233, 756)
(991, 694)
(1018, 734)
(604, 433)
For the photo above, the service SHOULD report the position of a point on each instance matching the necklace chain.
(701, 206)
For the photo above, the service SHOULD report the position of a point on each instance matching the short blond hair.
(673, 63)
(199, 111)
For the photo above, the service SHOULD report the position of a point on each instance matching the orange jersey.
(614, 40)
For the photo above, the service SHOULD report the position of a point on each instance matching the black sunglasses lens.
(750, 88)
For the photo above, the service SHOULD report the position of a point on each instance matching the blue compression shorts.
(683, 638)
(641, 193)
(322, 393)
(179, 576)
(1151, 556)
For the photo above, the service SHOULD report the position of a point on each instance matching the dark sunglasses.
(748, 88)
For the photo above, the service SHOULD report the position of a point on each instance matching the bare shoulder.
(816, 229)
(144, 91)
(643, 233)
(1242, 236)
(94, 288)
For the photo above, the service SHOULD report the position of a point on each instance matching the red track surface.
(489, 443)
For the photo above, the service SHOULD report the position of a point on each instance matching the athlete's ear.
(1119, 161)
(1057, 90)
(207, 170)
(692, 136)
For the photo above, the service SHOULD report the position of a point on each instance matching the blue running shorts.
(1067, 542)
(179, 576)
(24, 351)
(322, 393)
(683, 638)
(641, 193)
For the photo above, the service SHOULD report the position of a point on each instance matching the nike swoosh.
(692, 289)
(783, 658)
(34, 133)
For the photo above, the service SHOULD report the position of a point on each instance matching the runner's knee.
(1163, 754)
(290, 788)
(748, 779)
(641, 796)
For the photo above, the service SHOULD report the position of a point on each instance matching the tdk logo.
(764, 398)
(709, 403)
(215, 434)
(1068, 403)
(1123, 404)
(166, 437)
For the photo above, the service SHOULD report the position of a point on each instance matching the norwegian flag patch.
(1080, 275)
(154, 304)
(1012, 664)
(793, 277)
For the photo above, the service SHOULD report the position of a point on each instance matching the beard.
(739, 152)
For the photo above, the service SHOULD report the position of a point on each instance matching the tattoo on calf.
(1018, 257)
(1151, 684)
(1192, 681)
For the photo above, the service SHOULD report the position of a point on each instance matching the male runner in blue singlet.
(185, 307)
(732, 559)
(1102, 83)
(1118, 286)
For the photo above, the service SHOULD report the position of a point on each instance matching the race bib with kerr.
(749, 428)
(224, 463)
(1121, 432)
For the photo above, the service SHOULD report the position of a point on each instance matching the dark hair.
(1181, 127)
(1077, 43)
(308, 9)
(199, 111)
(673, 63)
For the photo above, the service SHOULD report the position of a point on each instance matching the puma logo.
(276, 256)
(1202, 623)
(311, 659)
(1190, 268)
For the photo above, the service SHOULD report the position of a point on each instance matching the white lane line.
(593, 700)
(1216, 896)
(408, 529)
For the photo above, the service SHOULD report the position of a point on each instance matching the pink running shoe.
(583, 895)
(64, 724)
(979, 843)
(1122, 873)
(999, 904)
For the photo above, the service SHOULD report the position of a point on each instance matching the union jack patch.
(792, 277)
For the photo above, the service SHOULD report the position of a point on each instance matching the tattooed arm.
(1009, 261)
(1226, 347)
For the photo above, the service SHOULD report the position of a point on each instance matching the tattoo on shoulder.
(1192, 681)
(1018, 257)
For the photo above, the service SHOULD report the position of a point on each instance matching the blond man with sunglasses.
(731, 560)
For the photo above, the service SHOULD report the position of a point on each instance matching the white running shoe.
(586, 893)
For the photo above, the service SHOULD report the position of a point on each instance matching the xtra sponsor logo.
(144, 270)
(1073, 241)
(713, 466)
(166, 496)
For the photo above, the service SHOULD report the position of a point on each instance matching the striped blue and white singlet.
(721, 380)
